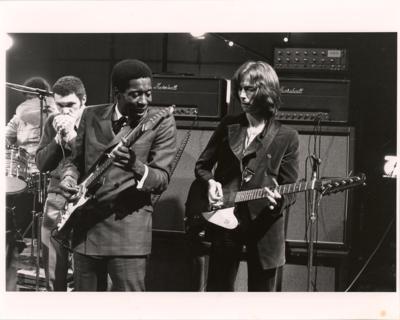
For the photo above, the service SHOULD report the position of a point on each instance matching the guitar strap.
(253, 164)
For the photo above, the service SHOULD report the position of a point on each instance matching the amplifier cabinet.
(335, 210)
(329, 96)
(206, 94)
(337, 152)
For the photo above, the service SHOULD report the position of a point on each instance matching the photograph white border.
(192, 16)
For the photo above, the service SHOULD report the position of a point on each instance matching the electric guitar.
(223, 215)
(91, 183)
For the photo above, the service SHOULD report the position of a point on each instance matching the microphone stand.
(312, 218)
(40, 195)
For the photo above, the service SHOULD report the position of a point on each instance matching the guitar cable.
(178, 155)
(384, 235)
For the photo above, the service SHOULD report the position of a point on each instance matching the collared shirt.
(116, 116)
(23, 130)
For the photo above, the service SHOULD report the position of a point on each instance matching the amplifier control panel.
(310, 59)
(186, 112)
(181, 111)
(306, 116)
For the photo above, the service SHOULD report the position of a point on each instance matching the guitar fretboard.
(261, 193)
(142, 127)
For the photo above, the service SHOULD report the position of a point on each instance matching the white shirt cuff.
(141, 182)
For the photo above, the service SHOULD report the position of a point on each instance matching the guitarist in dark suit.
(249, 151)
(112, 233)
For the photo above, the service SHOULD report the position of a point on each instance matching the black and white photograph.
(195, 171)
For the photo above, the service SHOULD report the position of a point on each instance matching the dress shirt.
(116, 116)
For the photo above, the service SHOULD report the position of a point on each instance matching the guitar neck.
(144, 125)
(261, 193)
(92, 178)
(100, 169)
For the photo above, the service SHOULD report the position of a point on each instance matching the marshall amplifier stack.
(306, 100)
(201, 97)
(309, 100)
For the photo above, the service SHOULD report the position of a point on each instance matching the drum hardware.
(37, 183)
(19, 172)
(12, 231)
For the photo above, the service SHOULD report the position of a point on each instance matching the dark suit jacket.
(279, 160)
(119, 220)
(50, 156)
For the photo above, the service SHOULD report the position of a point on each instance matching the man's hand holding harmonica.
(64, 125)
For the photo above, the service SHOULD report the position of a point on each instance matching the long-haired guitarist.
(249, 151)
(112, 232)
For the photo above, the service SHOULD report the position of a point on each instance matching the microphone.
(61, 131)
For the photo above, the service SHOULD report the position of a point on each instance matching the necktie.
(118, 124)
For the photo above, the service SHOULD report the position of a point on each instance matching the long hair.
(263, 76)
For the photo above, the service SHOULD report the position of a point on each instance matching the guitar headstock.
(153, 121)
(333, 185)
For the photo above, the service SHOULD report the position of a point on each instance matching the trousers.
(225, 254)
(127, 273)
(55, 256)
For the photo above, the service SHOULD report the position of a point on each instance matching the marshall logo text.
(167, 87)
(286, 90)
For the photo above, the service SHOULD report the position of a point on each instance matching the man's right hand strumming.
(69, 188)
(215, 193)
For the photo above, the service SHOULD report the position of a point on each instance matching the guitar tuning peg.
(336, 184)
(343, 182)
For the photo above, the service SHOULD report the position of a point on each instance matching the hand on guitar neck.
(273, 195)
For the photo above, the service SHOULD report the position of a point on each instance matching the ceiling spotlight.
(198, 34)
(6, 41)
(286, 38)
(230, 43)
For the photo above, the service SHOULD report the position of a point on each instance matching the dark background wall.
(372, 73)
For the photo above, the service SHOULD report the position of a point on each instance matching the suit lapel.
(105, 124)
(270, 135)
(262, 147)
(236, 135)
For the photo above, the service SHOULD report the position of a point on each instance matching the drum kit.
(25, 182)
(19, 179)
